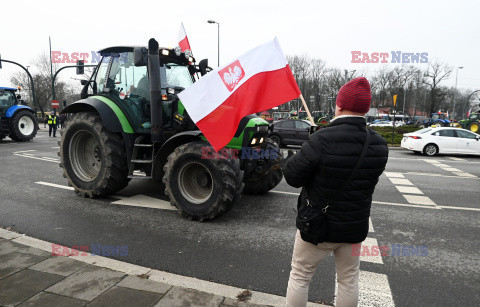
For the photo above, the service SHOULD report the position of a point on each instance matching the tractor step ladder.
(135, 161)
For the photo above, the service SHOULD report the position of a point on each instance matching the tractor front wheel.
(23, 126)
(201, 188)
(260, 183)
(93, 159)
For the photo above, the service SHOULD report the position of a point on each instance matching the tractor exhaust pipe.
(155, 91)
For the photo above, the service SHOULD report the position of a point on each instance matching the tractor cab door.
(127, 85)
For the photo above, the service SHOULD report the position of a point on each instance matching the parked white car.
(443, 140)
(382, 124)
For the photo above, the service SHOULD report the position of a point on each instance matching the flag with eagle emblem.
(256, 81)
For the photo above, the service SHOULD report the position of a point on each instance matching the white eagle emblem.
(232, 75)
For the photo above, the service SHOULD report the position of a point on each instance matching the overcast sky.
(448, 30)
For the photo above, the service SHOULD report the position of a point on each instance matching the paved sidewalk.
(31, 276)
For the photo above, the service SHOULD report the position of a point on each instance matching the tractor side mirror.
(202, 67)
(84, 82)
(19, 97)
(140, 56)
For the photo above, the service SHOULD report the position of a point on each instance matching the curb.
(230, 292)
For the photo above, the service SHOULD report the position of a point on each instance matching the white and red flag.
(469, 111)
(256, 81)
(183, 39)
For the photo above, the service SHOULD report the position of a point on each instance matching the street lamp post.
(454, 92)
(218, 40)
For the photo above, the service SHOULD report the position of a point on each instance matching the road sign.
(55, 104)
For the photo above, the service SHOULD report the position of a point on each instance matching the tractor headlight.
(254, 141)
(170, 91)
(188, 54)
(165, 52)
(178, 51)
(261, 140)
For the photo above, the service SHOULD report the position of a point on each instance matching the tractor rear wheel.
(93, 159)
(260, 183)
(474, 127)
(200, 188)
(439, 124)
(23, 126)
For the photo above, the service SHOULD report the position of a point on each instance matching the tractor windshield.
(176, 75)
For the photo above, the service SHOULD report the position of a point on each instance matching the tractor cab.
(7, 99)
(120, 79)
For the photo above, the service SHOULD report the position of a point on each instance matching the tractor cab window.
(474, 116)
(7, 99)
(129, 86)
(175, 75)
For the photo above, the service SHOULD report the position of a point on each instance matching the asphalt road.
(419, 201)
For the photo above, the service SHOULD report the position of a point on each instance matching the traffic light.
(80, 68)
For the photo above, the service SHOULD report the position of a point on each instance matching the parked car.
(381, 123)
(444, 140)
(290, 131)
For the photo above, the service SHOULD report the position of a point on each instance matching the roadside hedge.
(386, 132)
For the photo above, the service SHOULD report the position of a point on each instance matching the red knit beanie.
(355, 96)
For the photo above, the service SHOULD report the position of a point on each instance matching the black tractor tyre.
(430, 150)
(261, 183)
(93, 159)
(439, 124)
(276, 139)
(23, 126)
(201, 188)
(474, 127)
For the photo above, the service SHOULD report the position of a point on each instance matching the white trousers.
(305, 260)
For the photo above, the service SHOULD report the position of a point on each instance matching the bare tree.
(435, 74)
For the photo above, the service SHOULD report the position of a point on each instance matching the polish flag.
(256, 81)
(469, 111)
(183, 39)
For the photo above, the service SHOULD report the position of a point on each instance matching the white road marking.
(283, 192)
(55, 185)
(16, 152)
(455, 171)
(440, 175)
(369, 243)
(400, 181)
(460, 208)
(419, 200)
(370, 226)
(404, 205)
(58, 147)
(394, 175)
(408, 190)
(37, 158)
(457, 159)
(144, 201)
(374, 290)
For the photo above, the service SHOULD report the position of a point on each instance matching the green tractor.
(472, 123)
(130, 120)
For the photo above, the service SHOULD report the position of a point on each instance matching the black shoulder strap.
(357, 166)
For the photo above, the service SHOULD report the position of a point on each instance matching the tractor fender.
(168, 147)
(14, 109)
(113, 118)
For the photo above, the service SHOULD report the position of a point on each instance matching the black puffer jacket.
(324, 163)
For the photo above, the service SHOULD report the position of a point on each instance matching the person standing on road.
(338, 169)
(52, 120)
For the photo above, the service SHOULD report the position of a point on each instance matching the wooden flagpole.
(306, 109)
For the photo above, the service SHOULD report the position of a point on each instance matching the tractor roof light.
(188, 53)
(170, 90)
(165, 52)
(178, 51)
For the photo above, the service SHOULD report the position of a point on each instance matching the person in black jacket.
(320, 168)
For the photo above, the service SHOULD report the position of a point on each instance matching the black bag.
(312, 218)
